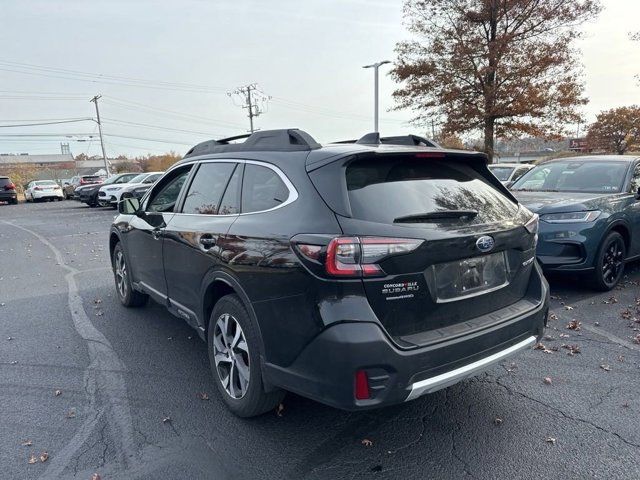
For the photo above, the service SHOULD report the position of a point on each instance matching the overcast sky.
(307, 55)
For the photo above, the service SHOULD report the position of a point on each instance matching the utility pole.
(376, 66)
(251, 98)
(104, 155)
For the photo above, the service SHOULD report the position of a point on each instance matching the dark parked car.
(89, 194)
(589, 211)
(77, 181)
(357, 274)
(8, 191)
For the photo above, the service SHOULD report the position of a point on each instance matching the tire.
(127, 295)
(250, 400)
(14, 201)
(610, 262)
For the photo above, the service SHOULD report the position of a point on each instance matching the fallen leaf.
(551, 440)
(621, 358)
(626, 314)
(27, 443)
(605, 367)
(33, 459)
(166, 420)
(568, 307)
(366, 442)
(553, 317)
(573, 349)
(564, 335)
(280, 409)
(637, 339)
(547, 380)
(57, 393)
(574, 325)
(9, 338)
(44, 456)
(497, 421)
(597, 324)
(203, 396)
(71, 414)
(95, 476)
(625, 404)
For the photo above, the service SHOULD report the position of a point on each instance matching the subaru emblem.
(485, 243)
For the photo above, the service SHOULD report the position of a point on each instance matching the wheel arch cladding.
(113, 241)
(623, 230)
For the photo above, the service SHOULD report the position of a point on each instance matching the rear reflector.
(362, 385)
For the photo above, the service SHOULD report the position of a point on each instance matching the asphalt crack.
(564, 414)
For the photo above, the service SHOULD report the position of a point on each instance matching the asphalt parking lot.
(127, 394)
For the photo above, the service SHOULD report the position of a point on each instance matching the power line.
(135, 106)
(47, 123)
(159, 127)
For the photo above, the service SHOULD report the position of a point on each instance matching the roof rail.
(374, 138)
(284, 140)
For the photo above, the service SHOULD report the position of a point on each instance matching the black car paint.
(295, 309)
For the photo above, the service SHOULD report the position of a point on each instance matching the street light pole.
(375, 67)
(104, 155)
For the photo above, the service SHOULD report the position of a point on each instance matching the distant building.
(55, 166)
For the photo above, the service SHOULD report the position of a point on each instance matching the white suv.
(110, 194)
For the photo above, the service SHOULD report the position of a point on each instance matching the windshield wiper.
(435, 216)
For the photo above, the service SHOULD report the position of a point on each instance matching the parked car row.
(109, 192)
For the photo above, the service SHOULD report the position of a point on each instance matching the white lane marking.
(103, 378)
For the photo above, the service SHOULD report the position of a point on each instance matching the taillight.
(362, 386)
(10, 186)
(38, 188)
(359, 256)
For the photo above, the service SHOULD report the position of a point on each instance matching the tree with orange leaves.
(500, 67)
(615, 130)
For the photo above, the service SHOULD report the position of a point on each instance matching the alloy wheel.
(121, 274)
(231, 355)
(613, 262)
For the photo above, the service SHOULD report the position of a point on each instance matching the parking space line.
(103, 376)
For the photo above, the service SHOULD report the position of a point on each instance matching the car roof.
(294, 146)
(512, 164)
(594, 158)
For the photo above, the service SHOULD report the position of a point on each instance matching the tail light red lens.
(362, 386)
(38, 188)
(10, 186)
(359, 256)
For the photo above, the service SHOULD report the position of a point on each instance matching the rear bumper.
(325, 370)
(6, 196)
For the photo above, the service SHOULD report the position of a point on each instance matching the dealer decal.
(400, 290)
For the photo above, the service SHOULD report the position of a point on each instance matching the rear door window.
(262, 189)
(385, 190)
(206, 190)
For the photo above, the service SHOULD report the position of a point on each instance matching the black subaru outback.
(359, 274)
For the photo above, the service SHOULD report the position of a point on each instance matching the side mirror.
(129, 206)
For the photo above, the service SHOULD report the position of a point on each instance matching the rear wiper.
(435, 216)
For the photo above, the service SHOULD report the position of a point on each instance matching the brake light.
(10, 186)
(362, 386)
(359, 256)
(38, 188)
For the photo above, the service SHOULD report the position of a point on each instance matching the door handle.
(207, 241)
(156, 233)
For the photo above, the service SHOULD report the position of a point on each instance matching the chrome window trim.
(293, 193)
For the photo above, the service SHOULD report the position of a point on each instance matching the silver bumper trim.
(447, 379)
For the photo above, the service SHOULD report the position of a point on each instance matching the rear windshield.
(4, 181)
(385, 190)
(46, 182)
(502, 173)
(91, 178)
